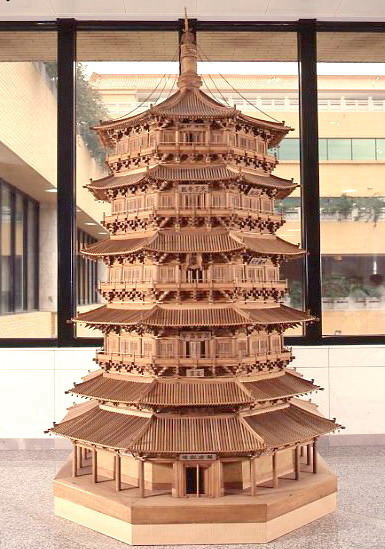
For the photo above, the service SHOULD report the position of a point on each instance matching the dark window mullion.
(66, 194)
(12, 255)
(36, 245)
(310, 211)
(26, 244)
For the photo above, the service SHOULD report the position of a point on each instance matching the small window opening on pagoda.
(194, 275)
(195, 481)
(193, 138)
(195, 349)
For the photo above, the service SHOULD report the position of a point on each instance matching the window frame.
(306, 30)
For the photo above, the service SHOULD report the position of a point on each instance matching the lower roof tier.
(188, 393)
(202, 316)
(196, 241)
(170, 435)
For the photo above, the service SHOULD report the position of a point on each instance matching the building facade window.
(338, 149)
(19, 251)
(87, 278)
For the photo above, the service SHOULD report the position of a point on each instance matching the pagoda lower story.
(224, 499)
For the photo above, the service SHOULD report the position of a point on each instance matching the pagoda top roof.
(218, 241)
(213, 172)
(207, 316)
(191, 103)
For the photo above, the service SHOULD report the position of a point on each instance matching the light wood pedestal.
(161, 519)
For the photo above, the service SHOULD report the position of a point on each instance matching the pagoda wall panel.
(264, 471)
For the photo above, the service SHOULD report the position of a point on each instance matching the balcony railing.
(188, 284)
(196, 360)
(194, 202)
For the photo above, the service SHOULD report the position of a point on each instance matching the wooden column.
(297, 467)
(308, 454)
(80, 450)
(302, 451)
(94, 465)
(252, 477)
(275, 470)
(75, 461)
(141, 478)
(118, 472)
(315, 463)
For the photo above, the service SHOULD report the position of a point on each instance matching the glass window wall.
(352, 182)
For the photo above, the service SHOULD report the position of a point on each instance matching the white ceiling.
(336, 10)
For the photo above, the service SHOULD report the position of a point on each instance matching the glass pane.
(32, 256)
(289, 149)
(380, 149)
(6, 273)
(28, 150)
(339, 149)
(352, 119)
(364, 149)
(322, 149)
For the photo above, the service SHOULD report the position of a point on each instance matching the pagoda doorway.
(196, 349)
(195, 480)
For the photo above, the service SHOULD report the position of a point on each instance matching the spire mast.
(188, 78)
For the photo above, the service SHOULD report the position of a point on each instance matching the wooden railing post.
(94, 465)
(75, 460)
(275, 469)
(118, 472)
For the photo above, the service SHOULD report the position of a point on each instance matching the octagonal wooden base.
(161, 519)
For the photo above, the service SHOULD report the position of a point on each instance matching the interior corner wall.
(33, 384)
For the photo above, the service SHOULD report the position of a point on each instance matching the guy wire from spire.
(165, 75)
(215, 86)
(162, 90)
(210, 92)
(239, 93)
(173, 86)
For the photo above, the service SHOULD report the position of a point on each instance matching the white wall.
(33, 382)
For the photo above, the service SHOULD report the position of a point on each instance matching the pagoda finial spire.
(189, 77)
(185, 20)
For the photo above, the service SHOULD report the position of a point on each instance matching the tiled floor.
(27, 520)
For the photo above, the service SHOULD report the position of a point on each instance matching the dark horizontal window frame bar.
(214, 26)
(335, 340)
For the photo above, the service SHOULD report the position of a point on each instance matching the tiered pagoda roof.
(205, 316)
(194, 242)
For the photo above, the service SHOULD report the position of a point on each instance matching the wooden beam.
(75, 461)
(315, 461)
(141, 478)
(297, 466)
(118, 472)
(275, 470)
(308, 454)
(252, 476)
(94, 465)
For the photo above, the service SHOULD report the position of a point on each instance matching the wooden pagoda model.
(194, 396)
